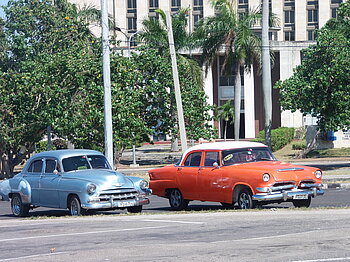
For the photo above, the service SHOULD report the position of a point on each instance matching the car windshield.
(245, 155)
(85, 162)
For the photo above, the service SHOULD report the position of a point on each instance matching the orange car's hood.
(282, 171)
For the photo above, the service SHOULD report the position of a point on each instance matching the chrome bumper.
(95, 204)
(288, 194)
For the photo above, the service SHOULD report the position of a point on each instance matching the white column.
(249, 105)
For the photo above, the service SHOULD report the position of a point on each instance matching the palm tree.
(155, 36)
(155, 33)
(226, 113)
(230, 33)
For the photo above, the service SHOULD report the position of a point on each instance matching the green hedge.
(280, 137)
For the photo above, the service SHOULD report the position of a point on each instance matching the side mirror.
(56, 172)
(216, 165)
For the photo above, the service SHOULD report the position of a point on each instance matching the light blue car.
(80, 180)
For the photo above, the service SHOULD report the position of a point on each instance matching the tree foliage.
(320, 85)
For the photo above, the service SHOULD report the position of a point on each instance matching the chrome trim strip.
(290, 169)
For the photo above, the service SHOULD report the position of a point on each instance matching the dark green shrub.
(280, 137)
(300, 145)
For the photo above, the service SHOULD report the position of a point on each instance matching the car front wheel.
(74, 206)
(18, 208)
(176, 201)
(245, 200)
(302, 202)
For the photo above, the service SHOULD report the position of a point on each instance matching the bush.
(280, 137)
(299, 145)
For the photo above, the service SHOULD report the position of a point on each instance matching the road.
(312, 235)
(274, 233)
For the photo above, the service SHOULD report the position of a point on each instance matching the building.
(299, 20)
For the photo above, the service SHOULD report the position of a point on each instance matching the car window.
(244, 155)
(193, 159)
(211, 158)
(36, 166)
(75, 163)
(98, 162)
(50, 166)
(85, 162)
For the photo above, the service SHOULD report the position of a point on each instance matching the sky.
(2, 2)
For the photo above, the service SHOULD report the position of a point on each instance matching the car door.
(187, 176)
(209, 182)
(32, 175)
(49, 182)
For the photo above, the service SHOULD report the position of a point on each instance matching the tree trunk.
(174, 145)
(237, 101)
(118, 153)
(309, 148)
(6, 167)
(225, 130)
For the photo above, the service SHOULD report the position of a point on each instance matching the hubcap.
(74, 208)
(16, 206)
(175, 198)
(244, 201)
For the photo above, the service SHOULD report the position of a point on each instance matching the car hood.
(102, 177)
(282, 171)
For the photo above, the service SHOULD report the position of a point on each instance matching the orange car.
(245, 173)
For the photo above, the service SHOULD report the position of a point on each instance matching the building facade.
(298, 22)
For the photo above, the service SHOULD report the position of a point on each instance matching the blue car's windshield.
(85, 162)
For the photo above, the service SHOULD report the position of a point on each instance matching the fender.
(21, 187)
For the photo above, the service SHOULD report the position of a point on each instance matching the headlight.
(318, 174)
(143, 184)
(266, 177)
(91, 189)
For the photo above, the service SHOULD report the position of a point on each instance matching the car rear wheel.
(245, 200)
(18, 208)
(302, 202)
(176, 201)
(74, 207)
(134, 209)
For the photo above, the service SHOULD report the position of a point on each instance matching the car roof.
(64, 153)
(224, 145)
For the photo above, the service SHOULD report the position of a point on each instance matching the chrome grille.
(118, 194)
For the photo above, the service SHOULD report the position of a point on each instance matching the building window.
(132, 25)
(311, 35)
(312, 16)
(153, 4)
(175, 5)
(131, 4)
(289, 36)
(289, 17)
(197, 11)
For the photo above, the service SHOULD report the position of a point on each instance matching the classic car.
(80, 180)
(243, 173)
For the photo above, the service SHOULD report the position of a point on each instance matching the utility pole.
(266, 72)
(107, 85)
(176, 84)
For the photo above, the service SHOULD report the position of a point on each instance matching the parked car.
(245, 173)
(80, 180)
